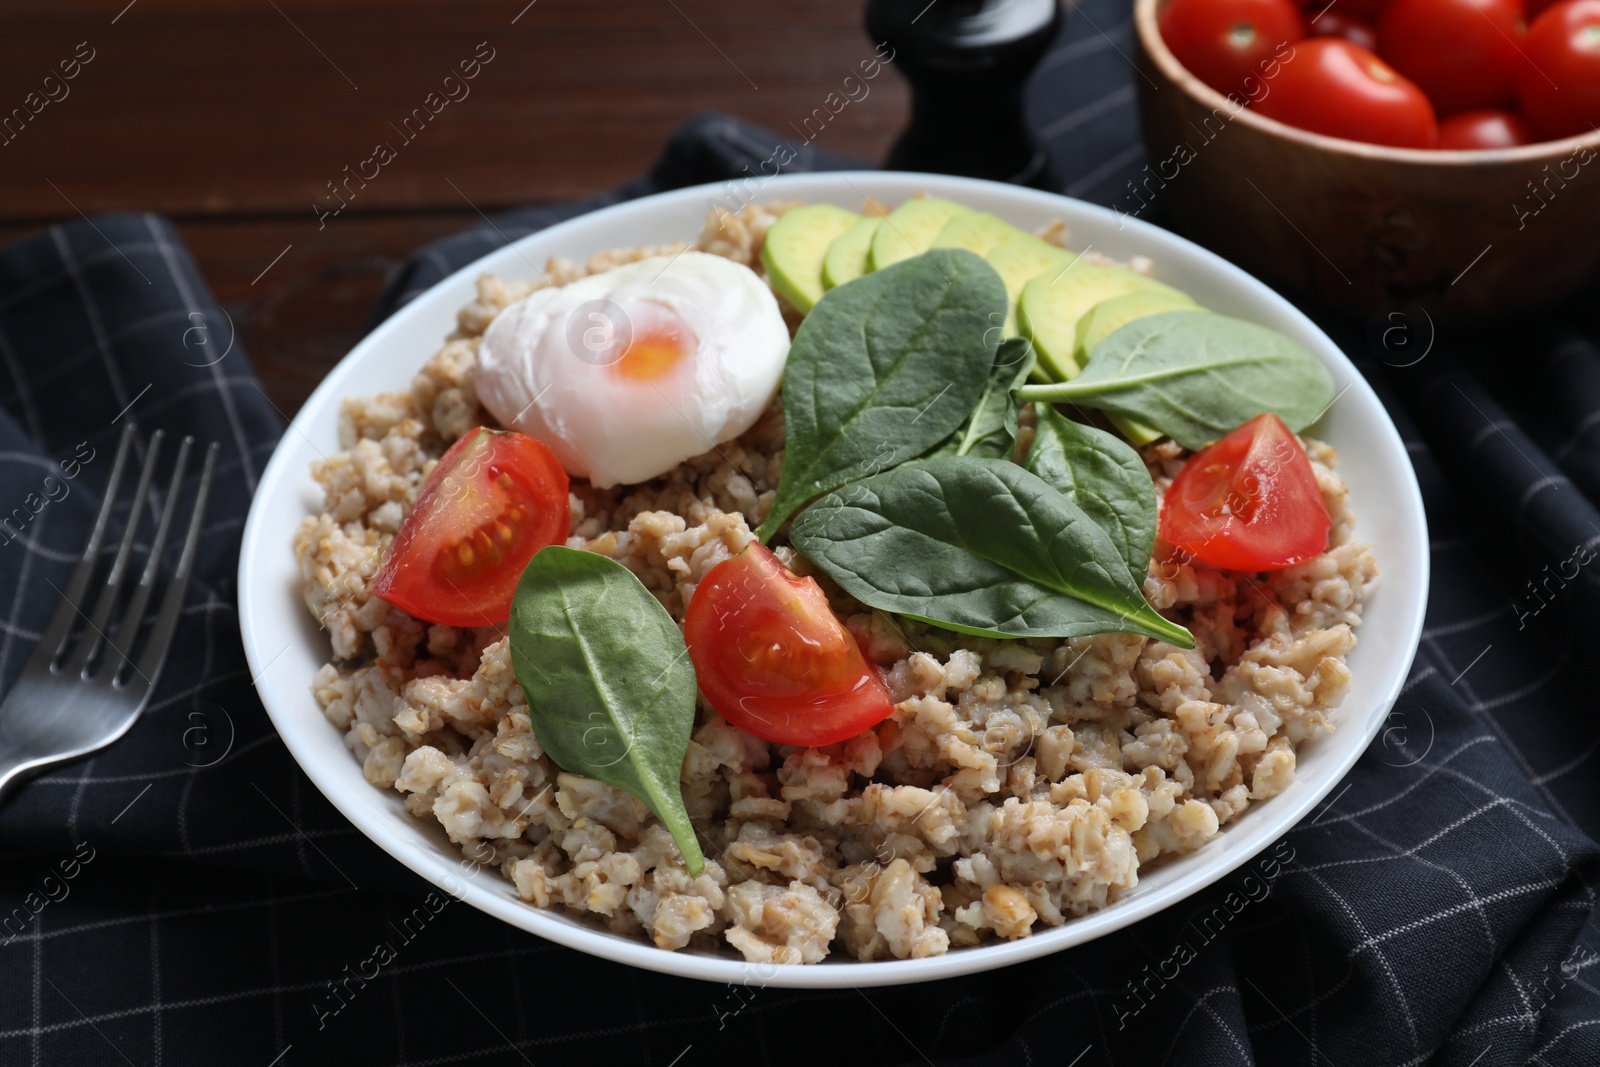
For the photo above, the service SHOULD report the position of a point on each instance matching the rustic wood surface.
(232, 117)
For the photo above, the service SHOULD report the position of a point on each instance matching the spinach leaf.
(991, 429)
(610, 688)
(882, 370)
(1101, 474)
(1195, 375)
(980, 546)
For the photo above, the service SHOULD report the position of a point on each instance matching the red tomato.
(494, 500)
(1363, 11)
(772, 658)
(1559, 86)
(1331, 23)
(1485, 129)
(1250, 502)
(1463, 53)
(1333, 87)
(1223, 42)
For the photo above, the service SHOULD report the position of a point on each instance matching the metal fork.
(71, 701)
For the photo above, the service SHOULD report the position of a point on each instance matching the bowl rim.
(1243, 844)
(1151, 45)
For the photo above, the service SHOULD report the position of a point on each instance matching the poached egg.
(627, 373)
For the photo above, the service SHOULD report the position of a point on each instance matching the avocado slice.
(1138, 433)
(1051, 305)
(847, 256)
(1109, 316)
(794, 249)
(910, 229)
(977, 231)
(1020, 260)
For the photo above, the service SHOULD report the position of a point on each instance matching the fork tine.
(93, 636)
(155, 649)
(128, 629)
(54, 638)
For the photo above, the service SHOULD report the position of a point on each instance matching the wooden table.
(232, 117)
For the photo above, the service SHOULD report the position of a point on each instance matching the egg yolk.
(655, 349)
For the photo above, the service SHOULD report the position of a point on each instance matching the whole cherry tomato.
(1463, 53)
(1333, 87)
(1332, 23)
(494, 500)
(1559, 86)
(1365, 11)
(1250, 502)
(1485, 129)
(772, 658)
(1223, 42)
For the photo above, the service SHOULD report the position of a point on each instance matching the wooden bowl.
(1469, 236)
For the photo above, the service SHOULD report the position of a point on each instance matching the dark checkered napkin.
(186, 897)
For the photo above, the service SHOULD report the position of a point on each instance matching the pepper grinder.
(968, 62)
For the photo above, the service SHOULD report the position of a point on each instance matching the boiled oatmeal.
(1018, 783)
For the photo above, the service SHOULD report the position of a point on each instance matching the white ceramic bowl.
(285, 647)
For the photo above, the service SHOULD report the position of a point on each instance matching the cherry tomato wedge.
(772, 659)
(1559, 86)
(1334, 23)
(1485, 129)
(1223, 42)
(1463, 53)
(494, 500)
(1250, 502)
(1333, 87)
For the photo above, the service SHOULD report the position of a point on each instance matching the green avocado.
(795, 247)
(977, 231)
(847, 256)
(1108, 316)
(1021, 260)
(1051, 305)
(910, 229)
